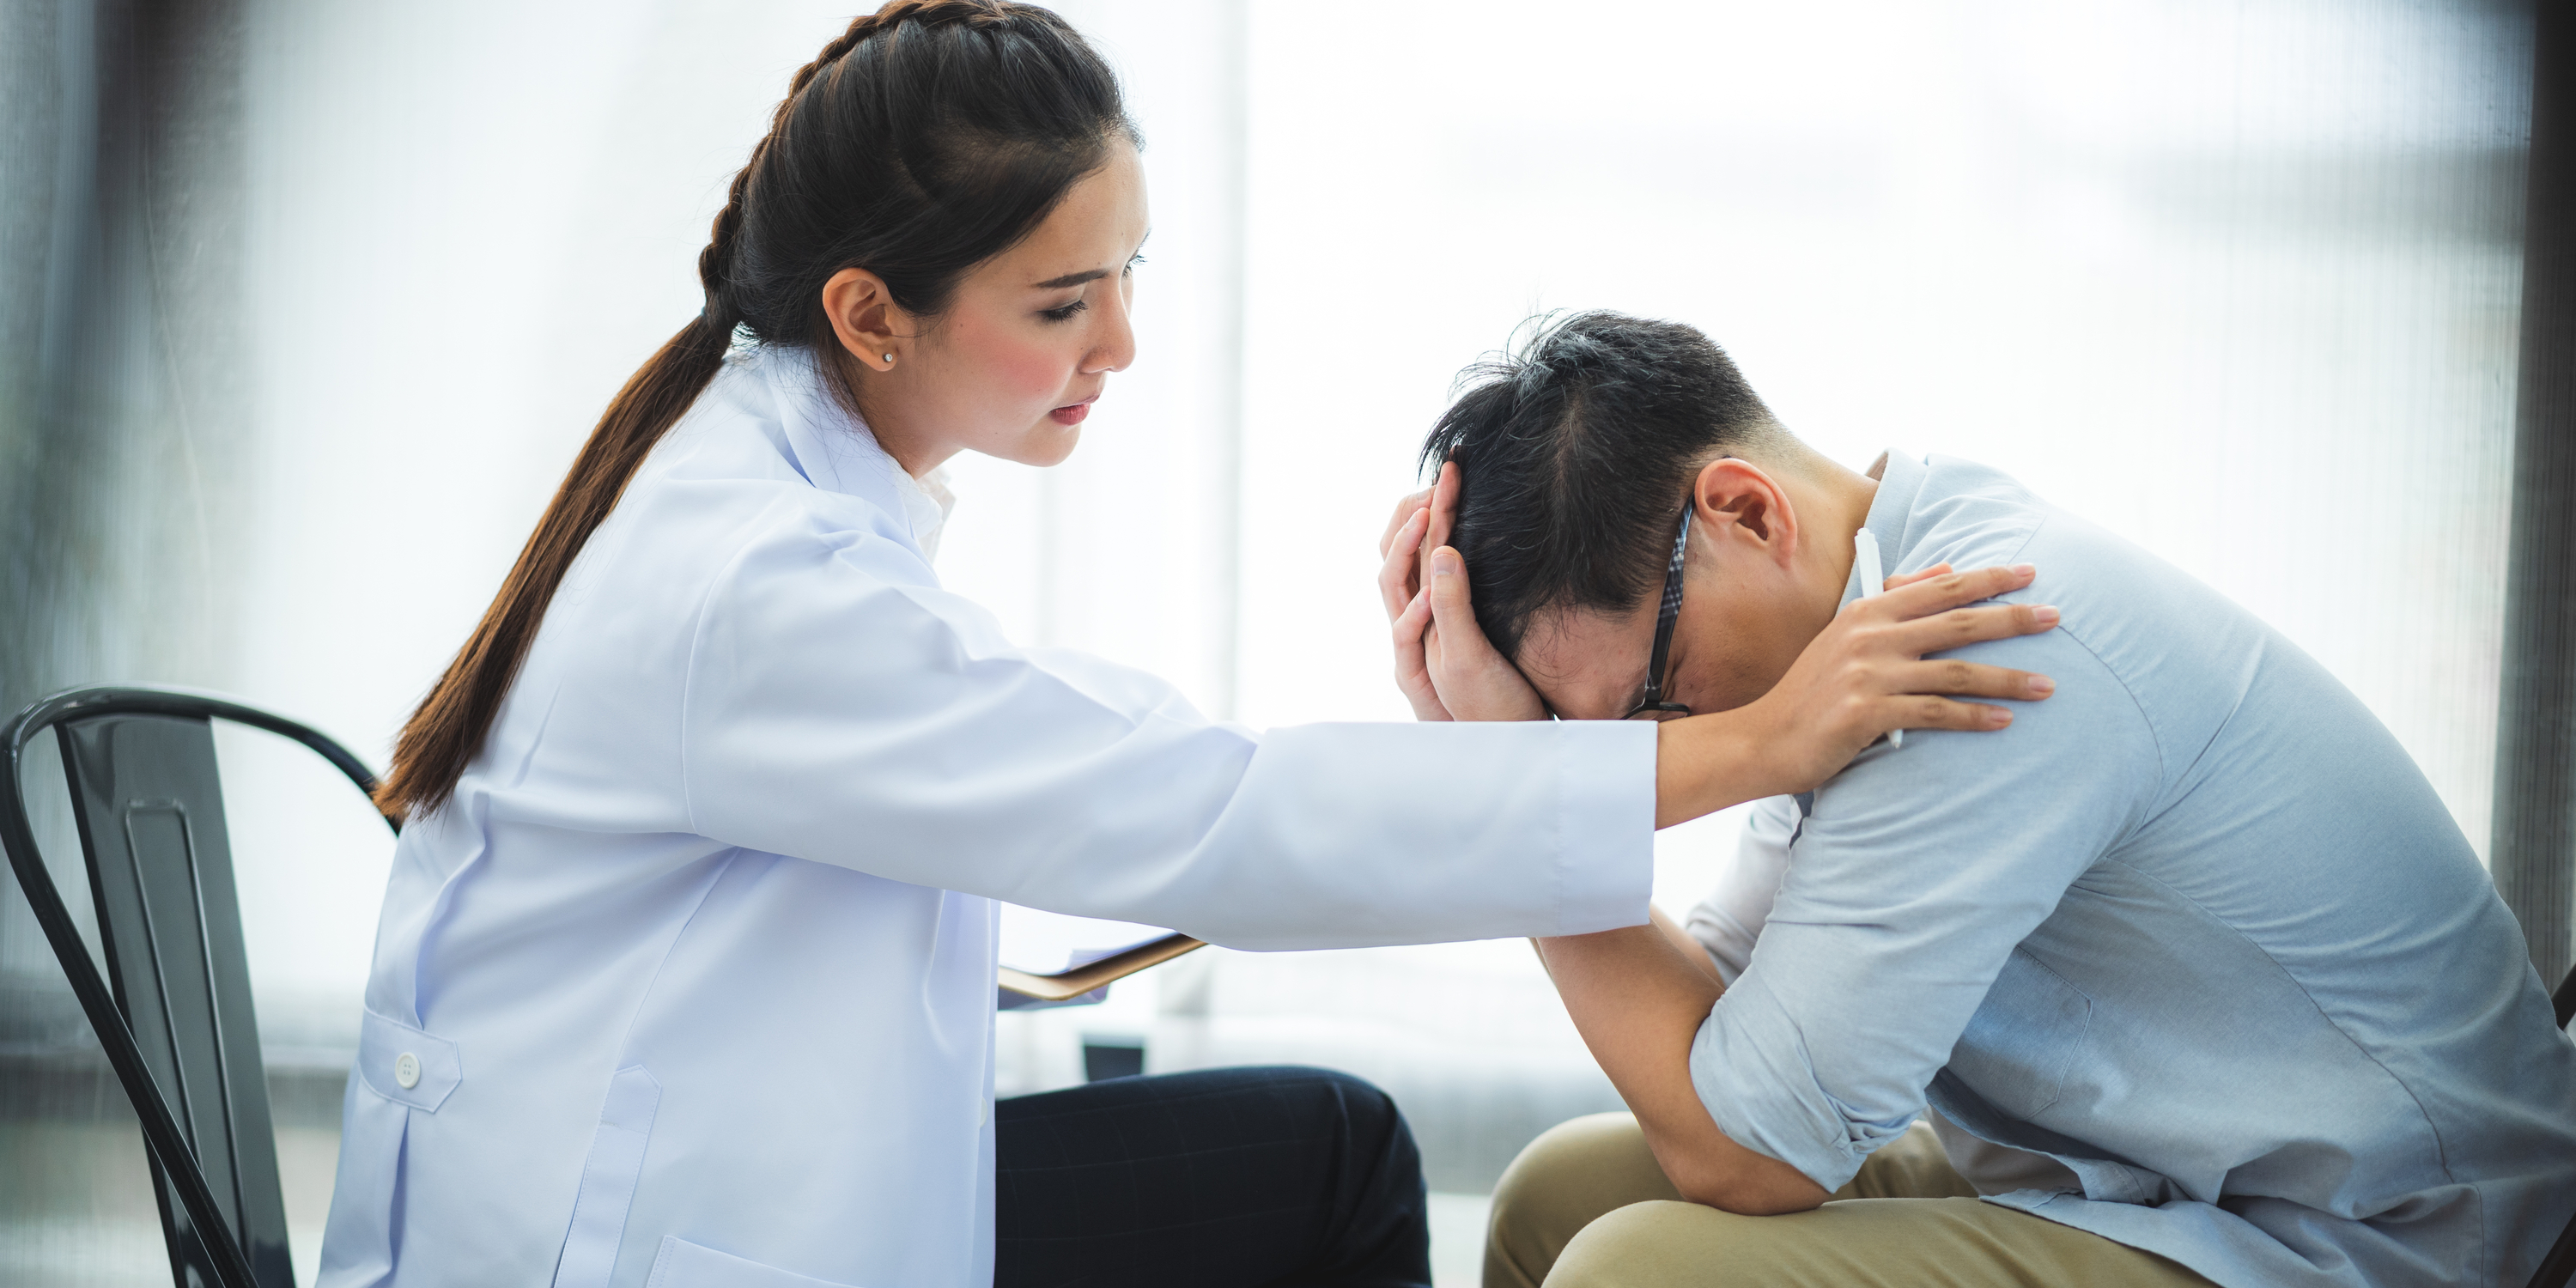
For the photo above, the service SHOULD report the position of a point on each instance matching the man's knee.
(1661, 1243)
(1573, 1173)
(1675, 1244)
(1863, 1241)
(1595, 1162)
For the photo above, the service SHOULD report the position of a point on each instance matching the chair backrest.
(177, 1022)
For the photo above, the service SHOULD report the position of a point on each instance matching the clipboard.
(1053, 957)
(1074, 981)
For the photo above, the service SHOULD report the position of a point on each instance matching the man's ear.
(1740, 500)
(866, 318)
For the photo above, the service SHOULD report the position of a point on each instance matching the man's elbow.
(1757, 1187)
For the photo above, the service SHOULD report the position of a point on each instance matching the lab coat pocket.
(683, 1264)
(407, 1065)
(608, 1179)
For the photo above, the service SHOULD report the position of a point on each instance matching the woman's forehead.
(1099, 225)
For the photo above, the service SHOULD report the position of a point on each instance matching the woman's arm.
(1861, 677)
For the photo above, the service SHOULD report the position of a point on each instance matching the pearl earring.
(889, 359)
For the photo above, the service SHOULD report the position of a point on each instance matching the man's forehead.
(1586, 657)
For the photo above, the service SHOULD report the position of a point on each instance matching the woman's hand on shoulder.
(1865, 675)
(1445, 666)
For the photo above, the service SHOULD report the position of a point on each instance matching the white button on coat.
(406, 1071)
(709, 927)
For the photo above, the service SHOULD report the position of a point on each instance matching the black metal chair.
(177, 1024)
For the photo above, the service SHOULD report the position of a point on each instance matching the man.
(2191, 970)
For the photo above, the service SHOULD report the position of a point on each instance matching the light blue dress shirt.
(2195, 928)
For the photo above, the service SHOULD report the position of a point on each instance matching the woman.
(686, 967)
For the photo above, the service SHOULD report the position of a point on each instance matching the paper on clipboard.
(1051, 958)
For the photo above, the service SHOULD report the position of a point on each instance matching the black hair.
(1577, 449)
(925, 139)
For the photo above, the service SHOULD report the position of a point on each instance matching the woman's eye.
(1064, 314)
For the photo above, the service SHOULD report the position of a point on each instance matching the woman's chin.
(1048, 443)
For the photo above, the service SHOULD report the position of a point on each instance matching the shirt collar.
(836, 451)
(926, 502)
(1900, 481)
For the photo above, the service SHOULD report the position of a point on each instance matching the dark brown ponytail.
(929, 137)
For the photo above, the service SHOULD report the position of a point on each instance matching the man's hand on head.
(1444, 664)
(1398, 585)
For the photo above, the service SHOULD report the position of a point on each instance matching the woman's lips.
(1073, 414)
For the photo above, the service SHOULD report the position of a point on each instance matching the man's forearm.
(1638, 1002)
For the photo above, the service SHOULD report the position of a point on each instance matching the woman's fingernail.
(2026, 570)
(2045, 614)
(1998, 718)
(1443, 564)
(2042, 685)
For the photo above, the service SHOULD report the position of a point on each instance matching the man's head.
(1578, 453)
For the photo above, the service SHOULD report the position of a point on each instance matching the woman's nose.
(1115, 348)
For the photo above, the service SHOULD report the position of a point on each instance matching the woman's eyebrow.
(1073, 279)
(1088, 275)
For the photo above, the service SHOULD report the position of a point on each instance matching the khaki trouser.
(1585, 1206)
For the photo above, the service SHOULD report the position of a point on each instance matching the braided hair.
(927, 138)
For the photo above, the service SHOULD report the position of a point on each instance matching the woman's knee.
(1319, 1105)
(1304, 1088)
(1363, 1109)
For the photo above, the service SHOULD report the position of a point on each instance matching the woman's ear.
(1740, 499)
(866, 318)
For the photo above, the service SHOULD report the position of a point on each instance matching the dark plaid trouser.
(1222, 1177)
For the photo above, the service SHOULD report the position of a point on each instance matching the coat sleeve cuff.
(1605, 824)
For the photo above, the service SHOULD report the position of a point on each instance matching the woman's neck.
(912, 447)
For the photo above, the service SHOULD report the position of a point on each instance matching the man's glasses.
(1654, 707)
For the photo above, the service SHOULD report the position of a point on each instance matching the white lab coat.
(693, 978)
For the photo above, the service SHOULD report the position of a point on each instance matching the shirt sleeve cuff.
(1605, 824)
(1752, 1070)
